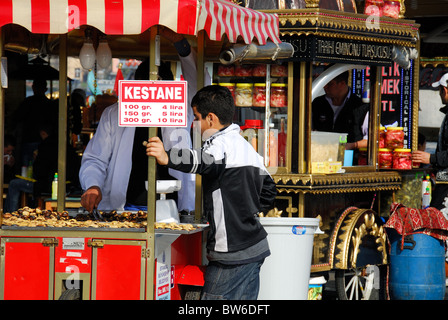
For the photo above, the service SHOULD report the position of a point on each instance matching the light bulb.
(87, 55)
(103, 54)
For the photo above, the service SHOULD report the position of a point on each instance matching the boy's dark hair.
(215, 99)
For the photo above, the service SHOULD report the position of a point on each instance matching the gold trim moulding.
(436, 61)
(346, 22)
(338, 183)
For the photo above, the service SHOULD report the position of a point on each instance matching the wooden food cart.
(43, 262)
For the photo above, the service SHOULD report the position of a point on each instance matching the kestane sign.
(152, 103)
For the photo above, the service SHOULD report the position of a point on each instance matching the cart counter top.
(121, 233)
(168, 228)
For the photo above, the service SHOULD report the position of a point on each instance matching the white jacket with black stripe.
(236, 186)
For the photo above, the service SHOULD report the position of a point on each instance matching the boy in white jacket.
(236, 187)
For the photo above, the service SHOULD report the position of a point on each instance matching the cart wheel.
(366, 283)
(71, 294)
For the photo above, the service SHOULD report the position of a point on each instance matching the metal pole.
(375, 120)
(62, 127)
(2, 130)
(152, 172)
(303, 92)
(415, 101)
(198, 141)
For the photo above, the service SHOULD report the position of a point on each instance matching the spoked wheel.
(366, 283)
(71, 294)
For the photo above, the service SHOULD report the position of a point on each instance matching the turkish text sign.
(152, 103)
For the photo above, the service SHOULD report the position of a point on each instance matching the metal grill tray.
(199, 227)
(18, 228)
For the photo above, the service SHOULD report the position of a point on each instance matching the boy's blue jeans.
(232, 282)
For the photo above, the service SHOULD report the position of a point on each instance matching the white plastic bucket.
(285, 274)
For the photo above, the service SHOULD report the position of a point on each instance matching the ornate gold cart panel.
(350, 205)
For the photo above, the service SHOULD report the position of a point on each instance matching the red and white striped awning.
(114, 17)
(219, 17)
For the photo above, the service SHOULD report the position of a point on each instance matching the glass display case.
(261, 99)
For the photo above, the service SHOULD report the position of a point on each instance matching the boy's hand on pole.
(154, 148)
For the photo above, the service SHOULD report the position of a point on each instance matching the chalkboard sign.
(335, 50)
(396, 96)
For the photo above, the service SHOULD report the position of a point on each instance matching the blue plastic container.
(418, 271)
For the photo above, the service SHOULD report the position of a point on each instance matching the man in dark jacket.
(236, 187)
(339, 110)
(32, 112)
(438, 160)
